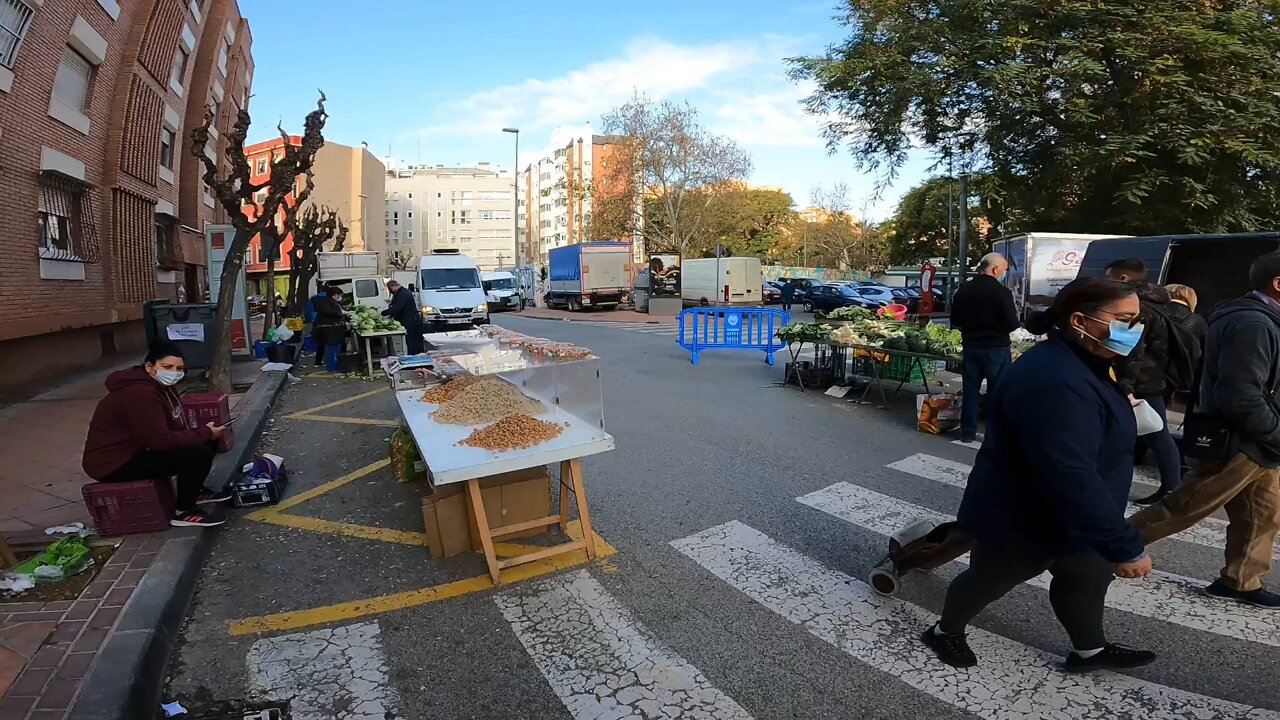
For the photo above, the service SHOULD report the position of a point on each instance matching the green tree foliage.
(919, 230)
(748, 221)
(1128, 116)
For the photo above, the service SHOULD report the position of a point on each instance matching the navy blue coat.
(1055, 468)
(404, 308)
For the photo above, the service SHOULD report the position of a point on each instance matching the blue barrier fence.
(707, 328)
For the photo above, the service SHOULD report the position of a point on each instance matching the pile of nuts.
(514, 432)
(484, 401)
(447, 390)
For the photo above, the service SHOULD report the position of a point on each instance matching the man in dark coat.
(1238, 385)
(403, 308)
(788, 291)
(983, 312)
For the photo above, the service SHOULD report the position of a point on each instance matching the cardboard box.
(508, 499)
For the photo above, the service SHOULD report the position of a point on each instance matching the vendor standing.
(983, 311)
(403, 308)
(330, 325)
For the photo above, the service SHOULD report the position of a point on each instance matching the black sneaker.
(951, 649)
(1151, 499)
(1261, 597)
(193, 519)
(1112, 657)
(212, 497)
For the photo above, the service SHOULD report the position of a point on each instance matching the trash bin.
(193, 327)
(149, 318)
(280, 353)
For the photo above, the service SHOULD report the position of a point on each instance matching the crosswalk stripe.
(1210, 532)
(1013, 680)
(336, 672)
(1162, 596)
(600, 661)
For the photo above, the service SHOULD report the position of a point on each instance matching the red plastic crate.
(204, 408)
(125, 508)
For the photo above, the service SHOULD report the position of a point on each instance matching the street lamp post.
(515, 196)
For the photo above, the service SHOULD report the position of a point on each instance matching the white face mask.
(169, 378)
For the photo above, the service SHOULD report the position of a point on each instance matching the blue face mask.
(1003, 275)
(1121, 339)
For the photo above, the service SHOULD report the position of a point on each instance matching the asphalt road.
(745, 517)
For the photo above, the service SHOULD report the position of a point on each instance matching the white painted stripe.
(972, 444)
(331, 673)
(600, 661)
(1162, 596)
(1210, 532)
(1014, 681)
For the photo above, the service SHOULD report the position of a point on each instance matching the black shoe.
(968, 438)
(1112, 657)
(951, 649)
(1151, 499)
(193, 519)
(1261, 597)
(212, 497)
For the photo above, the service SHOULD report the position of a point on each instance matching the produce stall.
(495, 402)
(368, 325)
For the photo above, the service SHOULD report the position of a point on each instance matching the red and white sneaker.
(193, 519)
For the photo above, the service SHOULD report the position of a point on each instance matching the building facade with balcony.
(349, 180)
(464, 208)
(558, 188)
(104, 204)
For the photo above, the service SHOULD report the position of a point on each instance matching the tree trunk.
(220, 371)
(269, 322)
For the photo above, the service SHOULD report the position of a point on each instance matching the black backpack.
(1186, 355)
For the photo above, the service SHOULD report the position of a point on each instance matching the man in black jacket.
(983, 311)
(1241, 375)
(404, 309)
(1144, 373)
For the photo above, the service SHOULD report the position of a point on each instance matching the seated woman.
(138, 432)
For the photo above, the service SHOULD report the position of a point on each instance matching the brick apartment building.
(104, 205)
(348, 179)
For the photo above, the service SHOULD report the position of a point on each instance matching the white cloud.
(769, 114)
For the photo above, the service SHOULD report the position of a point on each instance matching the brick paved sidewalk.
(47, 649)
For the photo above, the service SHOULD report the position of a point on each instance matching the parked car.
(908, 298)
(832, 296)
(802, 285)
(877, 295)
(771, 294)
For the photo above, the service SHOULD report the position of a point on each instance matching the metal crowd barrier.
(715, 328)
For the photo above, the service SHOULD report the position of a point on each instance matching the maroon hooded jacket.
(137, 414)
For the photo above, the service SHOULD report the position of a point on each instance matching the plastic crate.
(900, 369)
(201, 409)
(126, 508)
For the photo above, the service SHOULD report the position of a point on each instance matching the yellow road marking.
(413, 598)
(367, 532)
(319, 490)
(336, 403)
(347, 420)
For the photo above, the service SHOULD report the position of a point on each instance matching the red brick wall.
(160, 43)
(135, 257)
(140, 150)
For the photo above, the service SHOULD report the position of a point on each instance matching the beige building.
(352, 181)
(464, 208)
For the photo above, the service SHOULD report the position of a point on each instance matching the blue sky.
(436, 81)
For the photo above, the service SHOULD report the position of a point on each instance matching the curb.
(595, 319)
(128, 677)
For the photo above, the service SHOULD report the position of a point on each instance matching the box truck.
(1040, 264)
(356, 273)
(589, 275)
(722, 281)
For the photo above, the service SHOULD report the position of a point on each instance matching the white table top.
(451, 462)
(380, 333)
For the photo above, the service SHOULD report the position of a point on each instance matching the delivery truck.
(356, 274)
(589, 275)
(722, 281)
(1040, 264)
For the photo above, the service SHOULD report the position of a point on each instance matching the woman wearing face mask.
(138, 432)
(1049, 487)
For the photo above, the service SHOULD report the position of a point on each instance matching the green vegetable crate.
(898, 369)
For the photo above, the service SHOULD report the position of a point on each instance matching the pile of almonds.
(513, 432)
(484, 401)
(447, 390)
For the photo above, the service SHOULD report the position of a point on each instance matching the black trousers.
(413, 342)
(1077, 593)
(191, 466)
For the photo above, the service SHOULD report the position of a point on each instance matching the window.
(15, 18)
(410, 196)
(439, 214)
(167, 141)
(410, 234)
(164, 241)
(410, 213)
(179, 71)
(368, 288)
(71, 84)
(65, 229)
(261, 167)
(222, 59)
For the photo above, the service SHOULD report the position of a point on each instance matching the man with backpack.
(1234, 432)
(1146, 373)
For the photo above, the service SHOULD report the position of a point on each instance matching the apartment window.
(179, 71)
(65, 227)
(410, 213)
(215, 106)
(439, 195)
(410, 234)
(439, 214)
(261, 168)
(71, 83)
(168, 139)
(222, 59)
(410, 196)
(15, 18)
(260, 196)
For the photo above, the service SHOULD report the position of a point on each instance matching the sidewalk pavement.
(591, 316)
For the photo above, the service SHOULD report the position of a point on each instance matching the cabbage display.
(932, 339)
(367, 320)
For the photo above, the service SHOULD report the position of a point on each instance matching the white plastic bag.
(283, 333)
(1149, 421)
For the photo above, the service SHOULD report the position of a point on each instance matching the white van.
(502, 290)
(722, 281)
(450, 291)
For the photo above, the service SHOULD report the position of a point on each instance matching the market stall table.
(880, 356)
(397, 338)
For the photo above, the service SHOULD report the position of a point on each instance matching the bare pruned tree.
(397, 260)
(319, 229)
(664, 157)
(235, 192)
(272, 239)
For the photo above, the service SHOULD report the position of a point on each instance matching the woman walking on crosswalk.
(1049, 487)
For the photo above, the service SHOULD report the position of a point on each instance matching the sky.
(435, 81)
